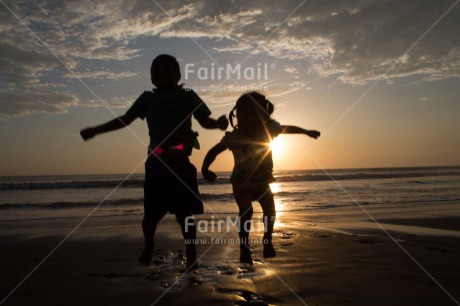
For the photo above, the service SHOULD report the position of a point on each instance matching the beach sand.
(329, 257)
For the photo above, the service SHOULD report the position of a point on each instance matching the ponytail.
(232, 115)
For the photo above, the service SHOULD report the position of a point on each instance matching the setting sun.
(277, 146)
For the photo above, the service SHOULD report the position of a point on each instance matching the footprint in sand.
(155, 274)
(321, 236)
(111, 275)
(246, 297)
(285, 235)
(438, 249)
(369, 240)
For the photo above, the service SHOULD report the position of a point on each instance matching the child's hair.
(265, 107)
(169, 59)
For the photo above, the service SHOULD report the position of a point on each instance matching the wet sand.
(334, 257)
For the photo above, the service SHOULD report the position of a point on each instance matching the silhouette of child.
(170, 179)
(249, 142)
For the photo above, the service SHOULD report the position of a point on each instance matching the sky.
(379, 79)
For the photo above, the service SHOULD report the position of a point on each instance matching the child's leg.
(154, 211)
(268, 206)
(244, 227)
(149, 226)
(188, 228)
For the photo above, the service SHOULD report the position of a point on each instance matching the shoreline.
(334, 257)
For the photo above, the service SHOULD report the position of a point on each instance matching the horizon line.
(229, 171)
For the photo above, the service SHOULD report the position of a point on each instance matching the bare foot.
(269, 250)
(146, 256)
(192, 263)
(245, 255)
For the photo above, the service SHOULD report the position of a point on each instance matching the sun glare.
(277, 147)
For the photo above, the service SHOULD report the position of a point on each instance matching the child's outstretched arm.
(291, 129)
(209, 159)
(115, 124)
(210, 123)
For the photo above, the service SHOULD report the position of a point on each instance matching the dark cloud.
(354, 42)
(22, 64)
(17, 103)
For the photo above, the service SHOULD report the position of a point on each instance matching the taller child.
(170, 179)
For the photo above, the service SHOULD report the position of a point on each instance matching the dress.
(170, 179)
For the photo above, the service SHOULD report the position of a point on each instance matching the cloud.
(101, 74)
(35, 100)
(290, 69)
(113, 103)
(68, 34)
(225, 95)
(353, 42)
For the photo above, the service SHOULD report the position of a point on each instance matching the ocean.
(303, 190)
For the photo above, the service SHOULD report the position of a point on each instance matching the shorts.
(171, 187)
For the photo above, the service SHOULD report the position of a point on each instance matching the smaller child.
(252, 173)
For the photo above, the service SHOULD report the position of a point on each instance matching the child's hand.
(222, 123)
(208, 175)
(87, 133)
(313, 134)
